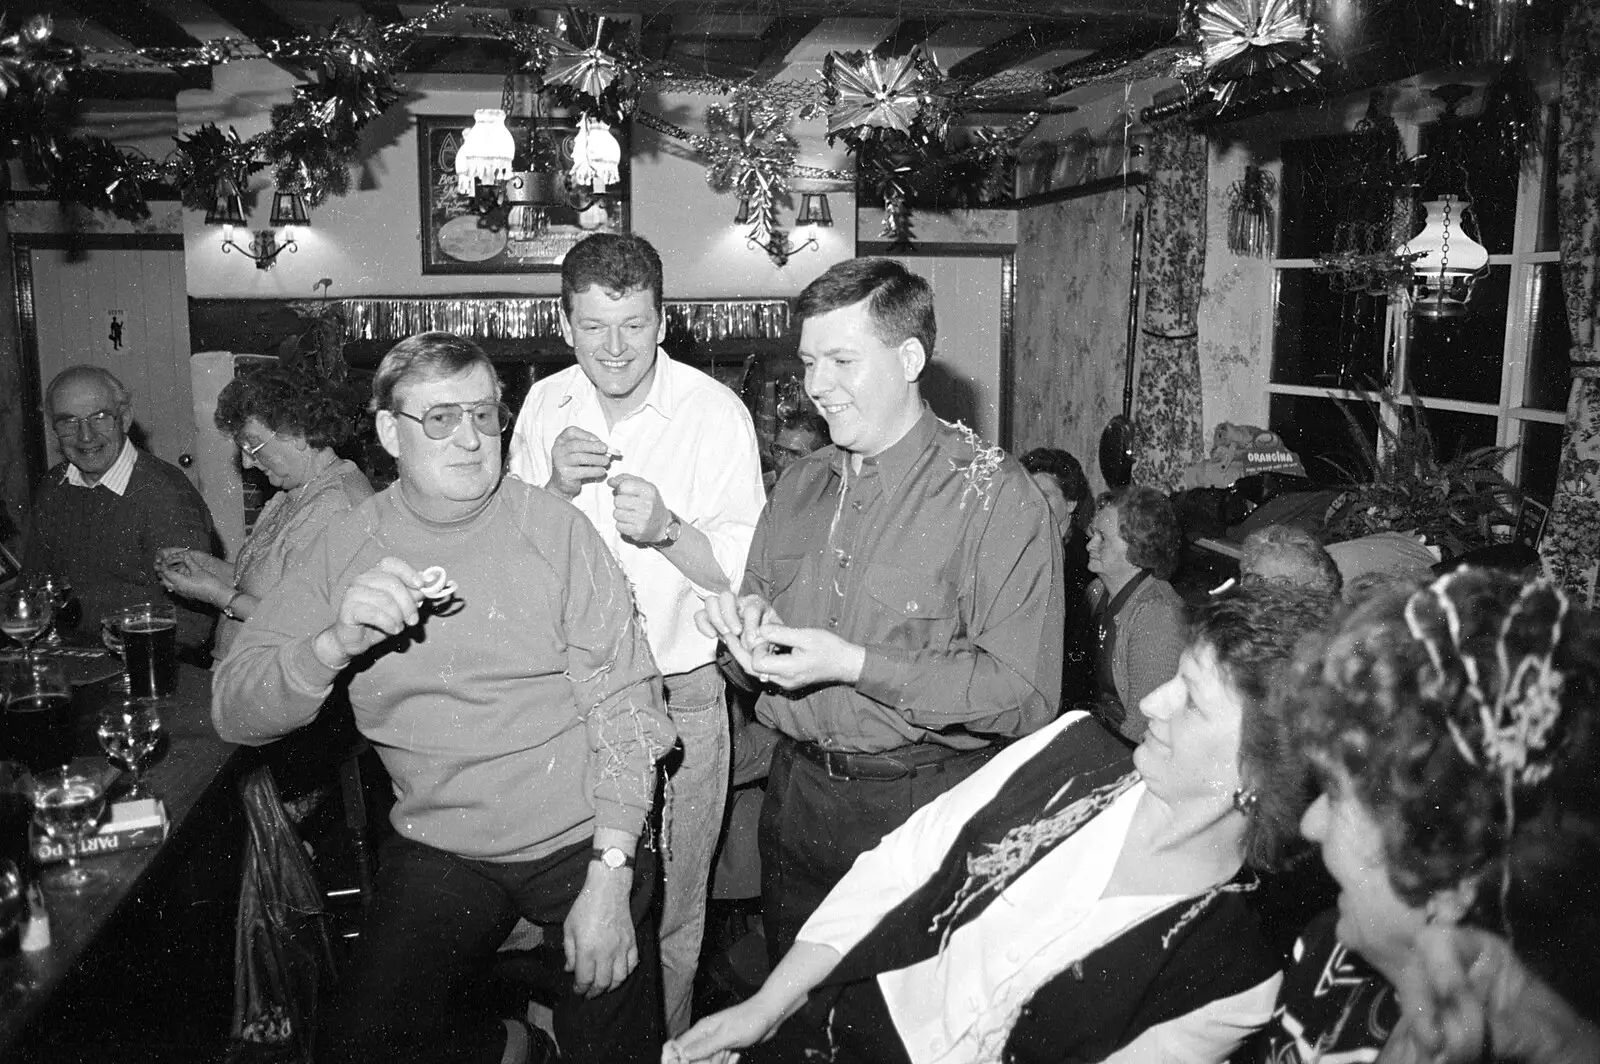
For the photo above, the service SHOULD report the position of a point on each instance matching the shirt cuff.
(306, 672)
(609, 814)
(881, 678)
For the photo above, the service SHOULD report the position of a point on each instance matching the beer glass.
(149, 636)
(36, 727)
(68, 805)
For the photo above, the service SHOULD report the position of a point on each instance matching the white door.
(125, 308)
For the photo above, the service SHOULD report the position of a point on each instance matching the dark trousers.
(814, 826)
(418, 984)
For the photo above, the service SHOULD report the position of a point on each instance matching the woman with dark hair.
(1454, 732)
(1137, 617)
(1065, 488)
(1064, 902)
(287, 428)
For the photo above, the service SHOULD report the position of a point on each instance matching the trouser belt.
(900, 763)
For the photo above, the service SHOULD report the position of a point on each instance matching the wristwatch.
(670, 536)
(613, 857)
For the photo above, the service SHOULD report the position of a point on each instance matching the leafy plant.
(1403, 484)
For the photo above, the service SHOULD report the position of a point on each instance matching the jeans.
(418, 986)
(695, 792)
(813, 827)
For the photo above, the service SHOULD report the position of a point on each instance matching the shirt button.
(856, 506)
(833, 622)
(844, 561)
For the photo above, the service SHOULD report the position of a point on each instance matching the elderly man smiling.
(100, 516)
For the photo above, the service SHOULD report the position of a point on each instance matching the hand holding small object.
(382, 602)
(436, 584)
(577, 457)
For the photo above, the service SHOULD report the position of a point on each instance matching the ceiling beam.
(781, 38)
(655, 36)
(461, 55)
(253, 18)
(136, 23)
(156, 83)
(381, 12)
(907, 35)
(1118, 53)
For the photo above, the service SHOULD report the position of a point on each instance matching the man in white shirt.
(662, 459)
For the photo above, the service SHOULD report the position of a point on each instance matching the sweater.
(105, 544)
(516, 718)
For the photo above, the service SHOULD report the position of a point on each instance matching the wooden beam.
(779, 39)
(1040, 38)
(156, 83)
(655, 36)
(381, 12)
(136, 23)
(461, 55)
(907, 35)
(254, 19)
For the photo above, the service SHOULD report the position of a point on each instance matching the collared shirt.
(694, 440)
(940, 558)
(115, 479)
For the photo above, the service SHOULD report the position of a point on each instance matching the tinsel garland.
(531, 319)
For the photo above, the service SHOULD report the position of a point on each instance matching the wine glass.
(64, 607)
(111, 638)
(129, 734)
(24, 615)
(68, 805)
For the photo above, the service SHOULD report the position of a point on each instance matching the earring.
(1245, 799)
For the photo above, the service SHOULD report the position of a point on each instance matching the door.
(119, 302)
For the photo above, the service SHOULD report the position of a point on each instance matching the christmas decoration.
(1262, 45)
(589, 70)
(1250, 213)
(867, 92)
(1510, 126)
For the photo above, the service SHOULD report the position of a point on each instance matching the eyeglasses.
(69, 426)
(249, 450)
(440, 422)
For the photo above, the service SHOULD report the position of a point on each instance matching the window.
(1497, 376)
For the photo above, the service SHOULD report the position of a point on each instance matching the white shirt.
(958, 1007)
(114, 479)
(694, 440)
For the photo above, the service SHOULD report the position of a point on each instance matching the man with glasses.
(101, 515)
(493, 657)
(662, 460)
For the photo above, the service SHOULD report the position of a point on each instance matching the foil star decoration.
(872, 92)
(588, 70)
(1269, 42)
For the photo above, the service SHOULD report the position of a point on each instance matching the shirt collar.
(114, 479)
(894, 465)
(662, 396)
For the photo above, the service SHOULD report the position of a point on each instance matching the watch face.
(613, 858)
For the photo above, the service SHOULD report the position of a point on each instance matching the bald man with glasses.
(493, 656)
(99, 517)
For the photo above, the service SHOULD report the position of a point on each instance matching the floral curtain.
(1571, 541)
(1166, 405)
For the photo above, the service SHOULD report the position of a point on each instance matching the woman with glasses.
(288, 429)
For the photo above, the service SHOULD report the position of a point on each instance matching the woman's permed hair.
(287, 403)
(1463, 717)
(1149, 526)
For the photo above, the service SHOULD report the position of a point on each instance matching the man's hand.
(640, 513)
(598, 932)
(576, 458)
(382, 602)
(735, 621)
(804, 657)
(718, 1038)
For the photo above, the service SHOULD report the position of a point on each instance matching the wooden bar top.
(193, 760)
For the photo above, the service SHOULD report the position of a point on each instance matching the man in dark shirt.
(99, 517)
(902, 605)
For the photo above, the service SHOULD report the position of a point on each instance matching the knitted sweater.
(105, 544)
(514, 720)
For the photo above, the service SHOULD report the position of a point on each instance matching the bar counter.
(195, 778)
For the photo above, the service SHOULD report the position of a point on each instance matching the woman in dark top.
(1455, 733)
(1065, 488)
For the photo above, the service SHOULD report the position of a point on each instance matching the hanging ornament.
(1448, 263)
(1269, 45)
(486, 151)
(1250, 213)
(1510, 125)
(596, 156)
(869, 92)
(588, 70)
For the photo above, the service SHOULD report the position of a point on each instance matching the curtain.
(1166, 406)
(1571, 541)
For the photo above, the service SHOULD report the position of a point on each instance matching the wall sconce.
(814, 210)
(742, 215)
(486, 151)
(814, 213)
(288, 211)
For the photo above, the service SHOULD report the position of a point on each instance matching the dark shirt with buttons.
(938, 556)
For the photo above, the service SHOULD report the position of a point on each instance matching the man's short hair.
(429, 356)
(900, 303)
(119, 391)
(616, 263)
(1300, 552)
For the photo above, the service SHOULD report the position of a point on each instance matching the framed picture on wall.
(528, 230)
(1531, 518)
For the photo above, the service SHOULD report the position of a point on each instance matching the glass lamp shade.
(228, 209)
(288, 208)
(1451, 262)
(486, 151)
(743, 214)
(814, 210)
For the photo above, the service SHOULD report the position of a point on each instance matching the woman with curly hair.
(1137, 617)
(288, 428)
(1454, 732)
